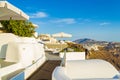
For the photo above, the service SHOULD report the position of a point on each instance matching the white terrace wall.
(27, 51)
(4, 39)
(73, 55)
(24, 51)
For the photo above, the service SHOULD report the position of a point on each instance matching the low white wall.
(9, 69)
(26, 52)
(30, 55)
(74, 55)
(4, 39)
(12, 52)
(32, 68)
(23, 52)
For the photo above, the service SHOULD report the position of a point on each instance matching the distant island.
(87, 43)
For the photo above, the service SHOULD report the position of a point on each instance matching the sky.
(94, 19)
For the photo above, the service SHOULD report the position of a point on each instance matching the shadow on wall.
(3, 50)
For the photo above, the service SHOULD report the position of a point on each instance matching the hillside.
(109, 51)
(102, 53)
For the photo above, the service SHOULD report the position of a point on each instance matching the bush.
(18, 27)
(75, 47)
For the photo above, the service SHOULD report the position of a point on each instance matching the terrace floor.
(45, 71)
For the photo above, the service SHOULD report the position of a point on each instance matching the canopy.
(8, 11)
(61, 35)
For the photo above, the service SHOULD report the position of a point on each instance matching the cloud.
(39, 15)
(64, 20)
(104, 23)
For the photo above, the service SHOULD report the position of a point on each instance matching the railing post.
(63, 63)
